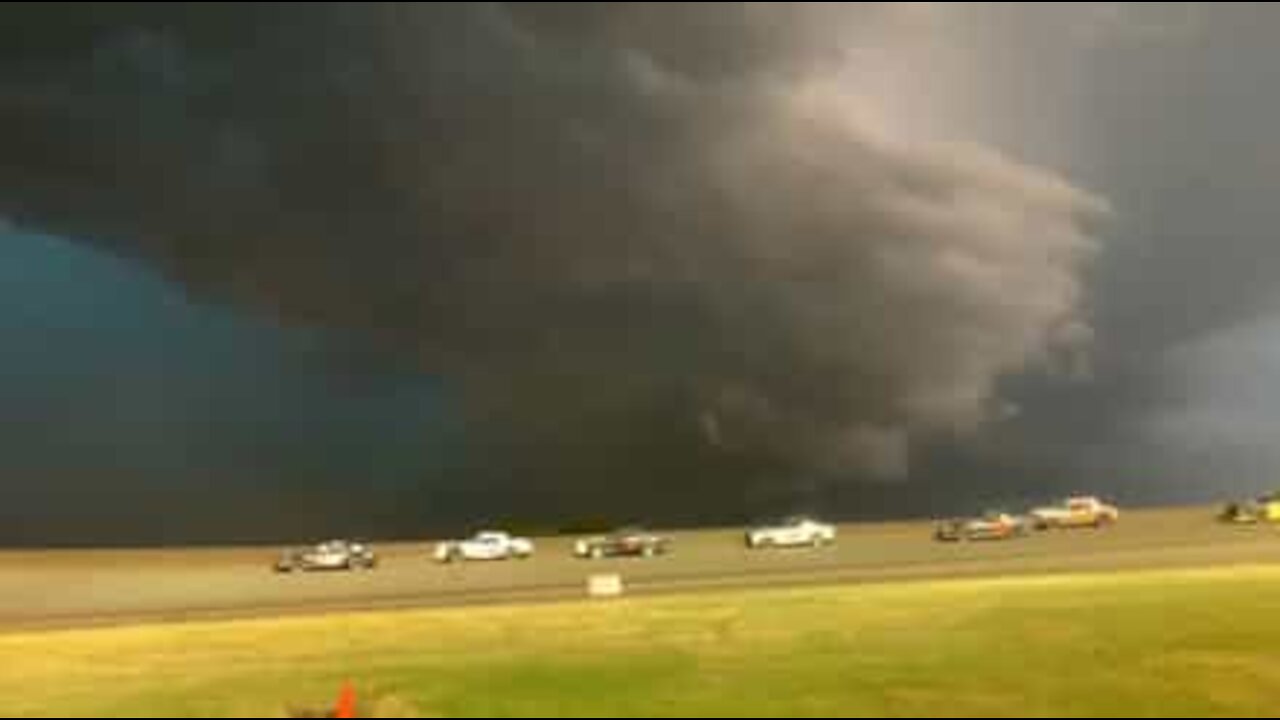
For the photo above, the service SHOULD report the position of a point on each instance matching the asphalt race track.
(70, 589)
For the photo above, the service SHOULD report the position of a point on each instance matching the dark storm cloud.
(1161, 108)
(645, 238)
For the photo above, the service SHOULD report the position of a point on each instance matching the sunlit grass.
(1191, 644)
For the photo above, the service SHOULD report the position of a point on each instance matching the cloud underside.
(689, 230)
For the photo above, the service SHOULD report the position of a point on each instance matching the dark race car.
(628, 542)
(992, 526)
(328, 556)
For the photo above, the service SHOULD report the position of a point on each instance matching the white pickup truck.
(1081, 512)
(485, 546)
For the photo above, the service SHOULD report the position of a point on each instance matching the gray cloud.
(689, 231)
(1111, 23)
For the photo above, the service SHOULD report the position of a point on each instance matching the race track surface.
(71, 589)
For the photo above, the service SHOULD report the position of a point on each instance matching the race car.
(1265, 509)
(790, 533)
(328, 556)
(1081, 512)
(628, 542)
(992, 526)
(485, 546)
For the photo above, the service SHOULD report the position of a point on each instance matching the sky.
(676, 264)
(133, 415)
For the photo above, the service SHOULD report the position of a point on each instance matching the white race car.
(485, 546)
(793, 532)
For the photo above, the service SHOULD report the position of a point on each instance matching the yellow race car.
(1265, 509)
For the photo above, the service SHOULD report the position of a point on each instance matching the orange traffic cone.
(346, 702)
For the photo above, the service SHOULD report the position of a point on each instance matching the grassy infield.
(1191, 644)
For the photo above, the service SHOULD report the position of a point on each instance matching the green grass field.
(1193, 644)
